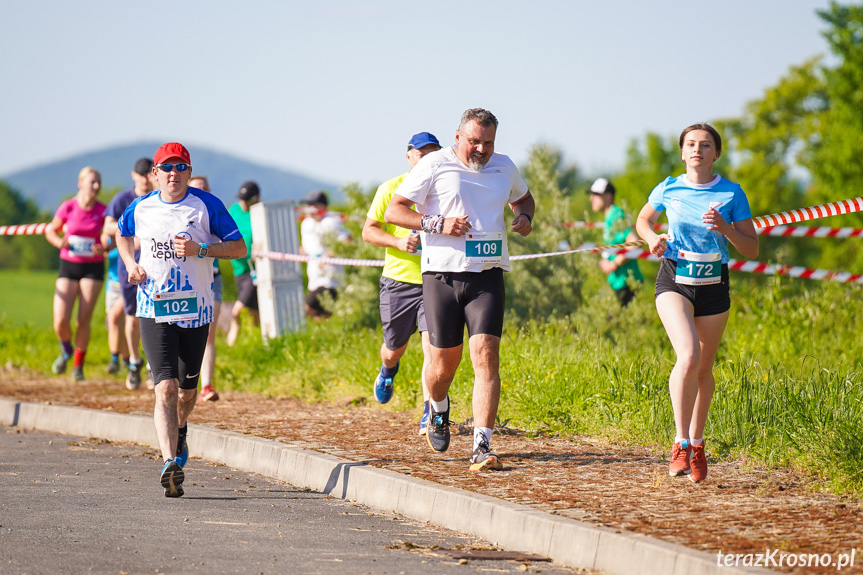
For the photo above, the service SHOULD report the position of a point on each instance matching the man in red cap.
(179, 229)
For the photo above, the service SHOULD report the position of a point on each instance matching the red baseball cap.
(172, 150)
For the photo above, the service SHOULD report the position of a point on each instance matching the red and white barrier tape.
(811, 213)
(762, 268)
(23, 230)
(777, 231)
(324, 260)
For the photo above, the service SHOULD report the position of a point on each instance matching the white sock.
(481, 434)
(440, 406)
(697, 441)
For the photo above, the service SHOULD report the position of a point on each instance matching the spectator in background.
(143, 182)
(318, 231)
(208, 392)
(115, 317)
(617, 230)
(401, 284)
(82, 268)
(244, 268)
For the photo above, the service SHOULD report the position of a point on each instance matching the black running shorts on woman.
(82, 270)
(174, 352)
(707, 300)
(455, 299)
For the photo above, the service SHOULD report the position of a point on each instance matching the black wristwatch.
(205, 249)
(525, 214)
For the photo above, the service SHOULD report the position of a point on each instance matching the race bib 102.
(175, 306)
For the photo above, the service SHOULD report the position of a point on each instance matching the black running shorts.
(707, 300)
(81, 270)
(174, 352)
(455, 299)
(247, 291)
(401, 311)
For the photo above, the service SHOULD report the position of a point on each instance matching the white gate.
(280, 284)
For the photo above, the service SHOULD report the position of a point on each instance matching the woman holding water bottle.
(705, 212)
(76, 231)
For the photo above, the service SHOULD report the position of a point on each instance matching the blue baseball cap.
(422, 139)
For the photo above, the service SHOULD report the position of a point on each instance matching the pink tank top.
(83, 230)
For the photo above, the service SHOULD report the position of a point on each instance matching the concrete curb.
(508, 525)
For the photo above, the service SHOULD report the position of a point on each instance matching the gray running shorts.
(402, 311)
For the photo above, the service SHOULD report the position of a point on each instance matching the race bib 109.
(483, 248)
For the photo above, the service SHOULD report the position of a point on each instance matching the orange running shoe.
(698, 463)
(680, 460)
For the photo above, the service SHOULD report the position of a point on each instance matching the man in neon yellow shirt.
(401, 293)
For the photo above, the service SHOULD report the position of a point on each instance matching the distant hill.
(49, 183)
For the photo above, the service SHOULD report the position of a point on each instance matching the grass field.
(789, 380)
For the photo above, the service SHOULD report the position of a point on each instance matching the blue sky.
(335, 89)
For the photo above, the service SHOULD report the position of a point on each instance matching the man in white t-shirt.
(179, 230)
(460, 194)
(318, 231)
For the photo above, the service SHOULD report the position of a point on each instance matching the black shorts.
(402, 311)
(247, 291)
(313, 299)
(81, 270)
(455, 299)
(707, 300)
(130, 297)
(174, 352)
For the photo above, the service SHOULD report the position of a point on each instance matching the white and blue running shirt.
(685, 203)
(199, 216)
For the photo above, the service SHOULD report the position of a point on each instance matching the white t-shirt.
(315, 237)
(441, 184)
(199, 216)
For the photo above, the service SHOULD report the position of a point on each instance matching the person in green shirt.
(618, 230)
(244, 268)
(401, 290)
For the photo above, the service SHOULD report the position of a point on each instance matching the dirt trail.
(738, 509)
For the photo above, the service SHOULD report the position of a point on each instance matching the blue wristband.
(205, 249)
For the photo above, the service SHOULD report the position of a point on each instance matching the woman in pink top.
(82, 267)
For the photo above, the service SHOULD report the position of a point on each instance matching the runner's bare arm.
(644, 226)
(374, 234)
(741, 234)
(126, 249)
(399, 212)
(229, 250)
(52, 234)
(523, 209)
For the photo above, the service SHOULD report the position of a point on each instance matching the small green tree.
(545, 287)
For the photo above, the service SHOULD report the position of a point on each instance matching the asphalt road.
(72, 505)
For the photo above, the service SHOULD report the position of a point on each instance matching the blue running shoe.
(384, 385)
(424, 421)
(182, 448)
(172, 479)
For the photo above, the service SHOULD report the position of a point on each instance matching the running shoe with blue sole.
(172, 478)
(424, 421)
(182, 449)
(384, 386)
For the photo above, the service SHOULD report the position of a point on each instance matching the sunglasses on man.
(170, 167)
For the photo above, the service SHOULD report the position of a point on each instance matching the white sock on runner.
(480, 434)
(697, 441)
(440, 406)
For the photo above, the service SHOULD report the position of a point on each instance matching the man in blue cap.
(401, 292)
